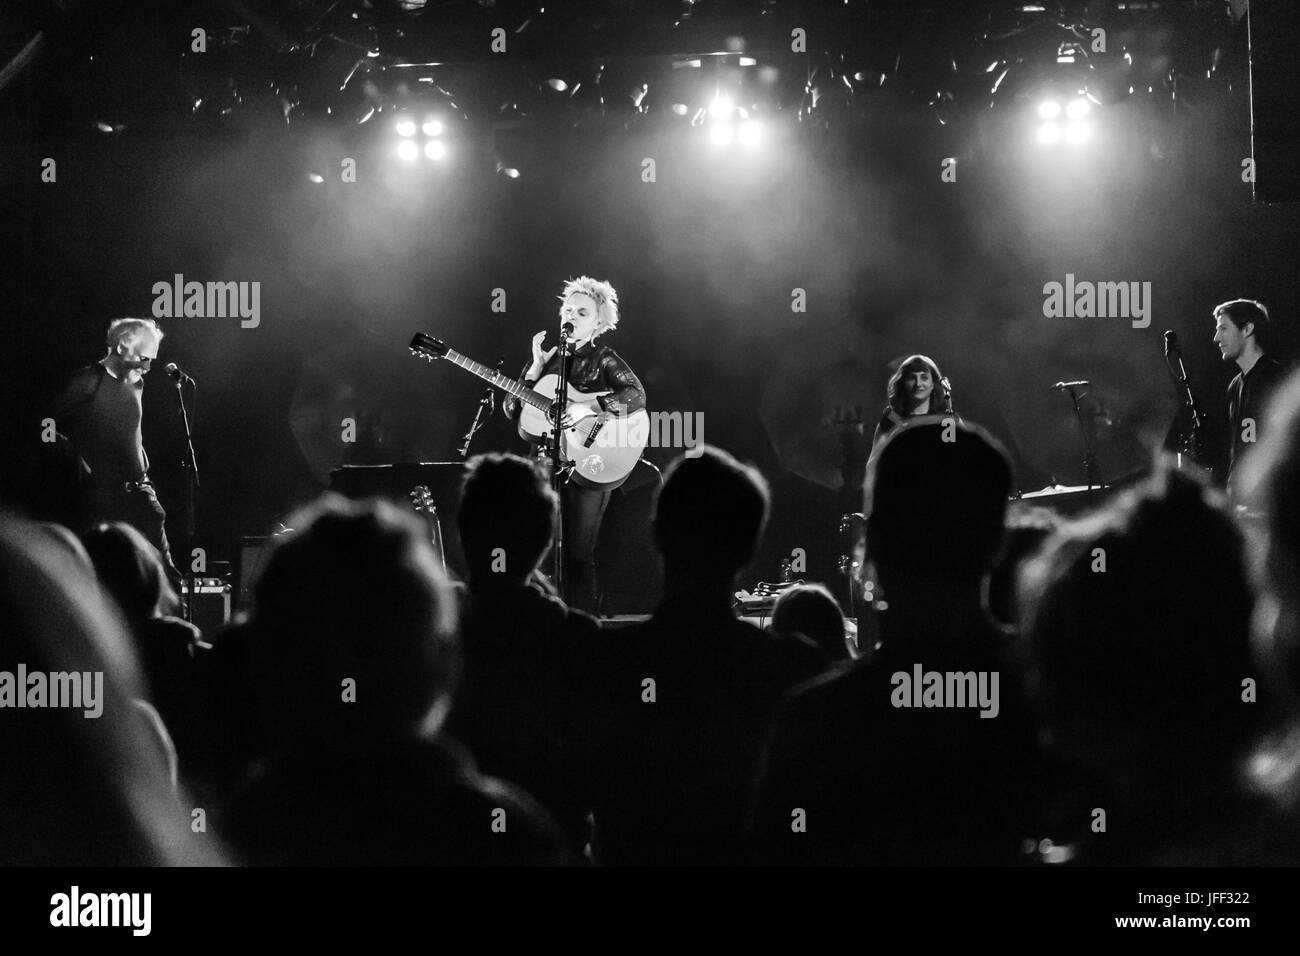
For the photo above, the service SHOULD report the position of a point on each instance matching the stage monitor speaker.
(408, 484)
(1275, 99)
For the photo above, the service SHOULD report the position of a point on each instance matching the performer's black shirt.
(101, 415)
(598, 368)
(1248, 396)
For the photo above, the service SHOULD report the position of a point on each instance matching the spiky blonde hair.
(603, 294)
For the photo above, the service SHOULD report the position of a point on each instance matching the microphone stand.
(559, 464)
(190, 466)
(485, 406)
(1089, 453)
(1191, 439)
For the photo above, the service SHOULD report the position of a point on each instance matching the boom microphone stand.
(1190, 441)
(1089, 453)
(190, 466)
(485, 407)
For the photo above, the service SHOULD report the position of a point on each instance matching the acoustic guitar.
(604, 448)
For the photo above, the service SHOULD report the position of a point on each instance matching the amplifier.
(209, 603)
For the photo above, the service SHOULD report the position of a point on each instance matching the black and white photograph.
(453, 447)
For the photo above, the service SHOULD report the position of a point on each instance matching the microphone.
(1061, 386)
(1171, 341)
(175, 374)
(566, 329)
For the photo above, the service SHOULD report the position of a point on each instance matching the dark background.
(844, 200)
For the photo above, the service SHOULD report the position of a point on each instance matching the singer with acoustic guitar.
(604, 386)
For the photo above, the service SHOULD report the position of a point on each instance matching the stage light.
(557, 84)
(751, 133)
(407, 150)
(316, 178)
(748, 61)
(1049, 133)
(722, 135)
(406, 127)
(1049, 109)
(680, 109)
(1077, 132)
(1078, 108)
(435, 149)
(722, 107)
(431, 128)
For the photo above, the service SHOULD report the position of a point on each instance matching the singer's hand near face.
(540, 358)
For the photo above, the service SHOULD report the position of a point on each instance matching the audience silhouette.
(354, 662)
(860, 765)
(525, 700)
(687, 694)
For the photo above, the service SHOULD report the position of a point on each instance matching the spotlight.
(722, 135)
(316, 178)
(1049, 133)
(750, 133)
(722, 107)
(406, 127)
(1077, 132)
(435, 150)
(1049, 110)
(431, 128)
(1078, 108)
(407, 150)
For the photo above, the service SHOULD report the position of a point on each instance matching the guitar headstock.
(427, 347)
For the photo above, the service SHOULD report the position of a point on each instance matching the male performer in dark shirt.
(1237, 328)
(99, 411)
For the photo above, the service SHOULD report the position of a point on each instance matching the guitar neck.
(492, 376)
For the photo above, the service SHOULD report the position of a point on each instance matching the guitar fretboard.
(519, 391)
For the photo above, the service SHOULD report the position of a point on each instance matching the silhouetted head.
(936, 495)
(1138, 625)
(506, 519)
(811, 610)
(130, 570)
(86, 784)
(1271, 482)
(710, 515)
(1027, 530)
(355, 626)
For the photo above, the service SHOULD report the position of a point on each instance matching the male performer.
(591, 306)
(1237, 328)
(99, 411)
